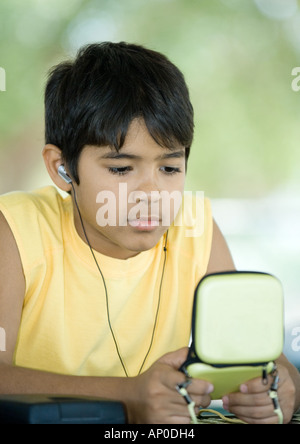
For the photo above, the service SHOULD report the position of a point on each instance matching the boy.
(104, 309)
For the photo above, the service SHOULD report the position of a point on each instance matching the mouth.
(145, 224)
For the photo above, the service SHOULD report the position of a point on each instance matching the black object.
(51, 409)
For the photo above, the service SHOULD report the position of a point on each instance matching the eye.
(170, 170)
(120, 171)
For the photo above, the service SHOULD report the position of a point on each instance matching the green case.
(237, 329)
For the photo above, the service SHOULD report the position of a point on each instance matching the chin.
(144, 241)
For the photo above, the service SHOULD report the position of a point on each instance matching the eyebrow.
(117, 155)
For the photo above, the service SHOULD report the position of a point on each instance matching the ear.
(53, 159)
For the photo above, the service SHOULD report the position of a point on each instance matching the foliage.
(237, 62)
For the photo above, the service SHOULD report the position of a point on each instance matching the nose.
(147, 190)
(147, 198)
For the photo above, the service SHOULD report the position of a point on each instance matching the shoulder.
(191, 233)
(44, 203)
(220, 257)
(43, 199)
(194, 218)
(217, 254)
(34, 220)
(8, 246)
(198, 236)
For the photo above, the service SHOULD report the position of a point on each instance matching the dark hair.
(93, 99)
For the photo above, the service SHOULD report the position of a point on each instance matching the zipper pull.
(265, 372)
(274, 396)
(275, 376)
(265, 375)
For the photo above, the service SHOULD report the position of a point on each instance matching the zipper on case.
(264, 375)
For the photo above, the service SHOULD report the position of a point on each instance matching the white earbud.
(63, 174)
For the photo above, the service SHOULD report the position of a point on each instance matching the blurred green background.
(237, 57)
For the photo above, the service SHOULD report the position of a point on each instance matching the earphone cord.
(106, 292)
(158, 304)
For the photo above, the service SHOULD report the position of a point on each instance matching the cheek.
(91, 208)
(171, 201)
(170, 204)
(122, 212)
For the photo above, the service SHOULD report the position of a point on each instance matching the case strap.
(274, 397)
(220, 415)
(181, 389)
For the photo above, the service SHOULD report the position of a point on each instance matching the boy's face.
(125, 198)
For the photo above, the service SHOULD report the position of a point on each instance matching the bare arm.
(150, 397)
(12, 289)
(295, 377)
(20, 380)
(220, 257)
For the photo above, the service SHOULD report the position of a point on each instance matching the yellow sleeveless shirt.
(64, 327)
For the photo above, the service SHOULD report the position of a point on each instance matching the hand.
(154, 399)
(253, 404)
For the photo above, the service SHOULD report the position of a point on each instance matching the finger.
(200, 392)
(179, 419)
(256, 386)
(241, 399)
(203, 401)
(200, 387)
(253, 412)
(196, 387)
(174, 413)
(190, 394)
(249, 420)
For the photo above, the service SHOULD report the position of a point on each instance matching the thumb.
(175, 359)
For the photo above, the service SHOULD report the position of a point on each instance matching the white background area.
(264, 235)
